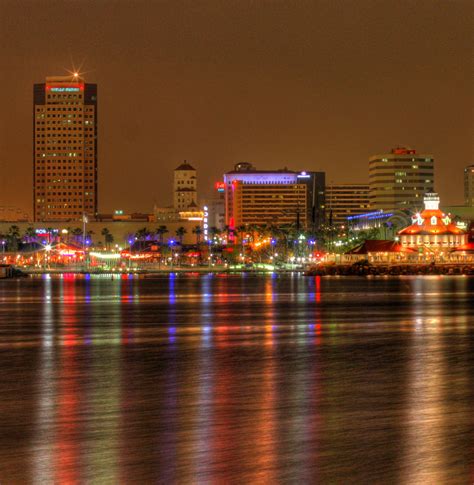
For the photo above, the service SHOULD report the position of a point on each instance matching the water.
(237, 379)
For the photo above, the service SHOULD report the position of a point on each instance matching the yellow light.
(76, 74)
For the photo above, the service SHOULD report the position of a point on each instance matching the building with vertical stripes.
(399, 180)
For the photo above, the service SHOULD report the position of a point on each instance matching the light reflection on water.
(198, 379)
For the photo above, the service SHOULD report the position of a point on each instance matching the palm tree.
(241, 230)
(180, 232)
(89, 235)
(30, 235)
(108, 237)
(50, 231)
(160, 232)
(198, 231)
(13, 237)
(214, 232)
(142, 235)
(77, 233)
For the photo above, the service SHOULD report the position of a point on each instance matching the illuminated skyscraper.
(64, 149)
(400, 179)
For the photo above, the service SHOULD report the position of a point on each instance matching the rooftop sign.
(64, 90)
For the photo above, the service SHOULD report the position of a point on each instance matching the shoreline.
(323, 271)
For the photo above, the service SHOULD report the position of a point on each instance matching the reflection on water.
(236, 378)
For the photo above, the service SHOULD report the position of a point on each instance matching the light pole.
(273, 242)
(47, 251)
(171, 242)
(84, 222)
(130, 241)
(210, 253)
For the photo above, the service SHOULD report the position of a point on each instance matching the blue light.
(370, 215)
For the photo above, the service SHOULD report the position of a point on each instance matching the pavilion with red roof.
(432, 229)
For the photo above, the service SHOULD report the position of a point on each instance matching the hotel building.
(398, 180)
(64, 149)
(345, 200)
(278, 197)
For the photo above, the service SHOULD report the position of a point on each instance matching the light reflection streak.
(426, 411)
(66, 449)
(269, 311)
(43, 465)
(103, 395)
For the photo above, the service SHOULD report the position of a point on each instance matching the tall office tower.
(469, 186)
(344, 200)
(315, 199)
(64, 149)
(276, 197)
(400, 179)
(184, 187)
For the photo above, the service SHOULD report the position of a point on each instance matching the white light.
(48, 247)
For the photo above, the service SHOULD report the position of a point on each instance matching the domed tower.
(184, 187)
(432, 229)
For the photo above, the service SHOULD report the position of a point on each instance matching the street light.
(171, 243)
(130, 241)
(210, 253)
(47, 249)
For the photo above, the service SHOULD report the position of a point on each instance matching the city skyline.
(210, 101)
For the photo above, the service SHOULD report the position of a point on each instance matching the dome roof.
(185, 166)
(431, 221)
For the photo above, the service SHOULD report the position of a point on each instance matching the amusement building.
(433, 236)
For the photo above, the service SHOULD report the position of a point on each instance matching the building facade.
(185, 187)
(398, 180)
(64, 149)
(278, 197)
(345, 200)
(469, 186)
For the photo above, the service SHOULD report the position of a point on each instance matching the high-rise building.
(469, 186)
(185, 187)
(398, 180)
(345, 200)
(278, 197)
(64, 149)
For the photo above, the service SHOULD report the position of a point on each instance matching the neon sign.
(219, 186)
(65, 90)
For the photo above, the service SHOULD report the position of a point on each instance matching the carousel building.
(432, 229)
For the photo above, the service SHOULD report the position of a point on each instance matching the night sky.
(318, 85)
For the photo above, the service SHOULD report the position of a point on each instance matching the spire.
(431, 201)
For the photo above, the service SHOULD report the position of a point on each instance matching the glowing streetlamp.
(171, 244)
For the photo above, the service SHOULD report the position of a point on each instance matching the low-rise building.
(432, 229)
